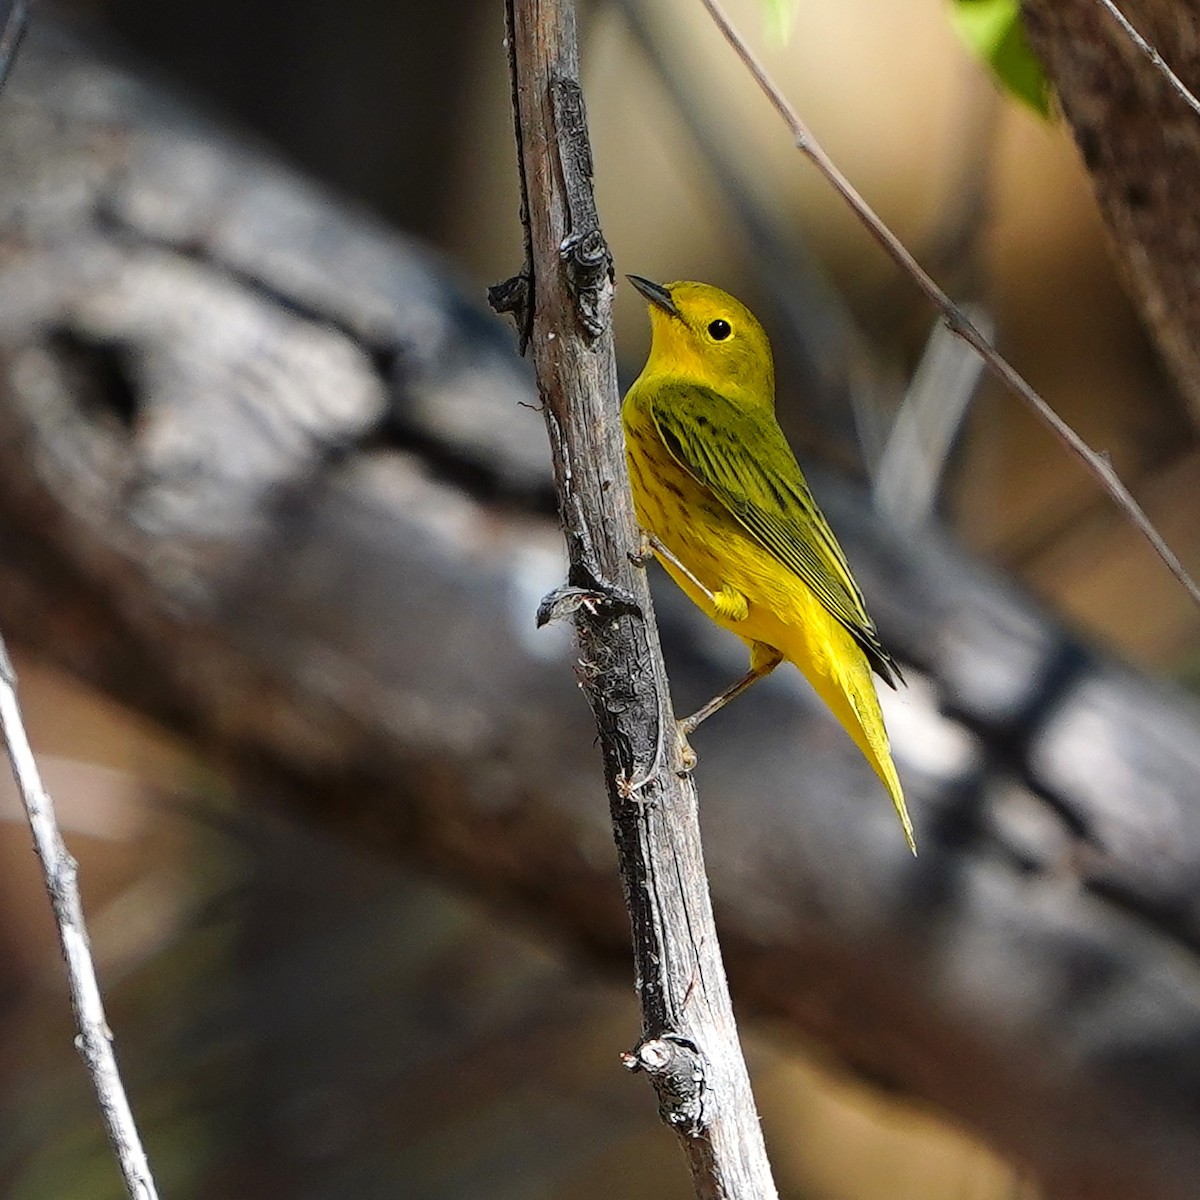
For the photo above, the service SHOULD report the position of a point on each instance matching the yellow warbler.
(722, 502)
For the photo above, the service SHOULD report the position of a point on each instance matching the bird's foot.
(687, 756)
(644, 554)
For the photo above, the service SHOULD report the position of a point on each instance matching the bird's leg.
(650, 546)
(732, 606)
(645, 551)
(763, 660)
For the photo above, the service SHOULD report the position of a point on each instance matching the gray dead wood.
(562, 300)
(265, 477)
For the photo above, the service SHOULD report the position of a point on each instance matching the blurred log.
(265, 476)
(1140, 142)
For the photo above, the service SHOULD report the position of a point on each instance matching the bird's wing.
(744, 460)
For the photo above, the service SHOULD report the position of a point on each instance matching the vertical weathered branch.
(562, 301)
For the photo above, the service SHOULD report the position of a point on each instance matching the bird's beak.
(655, 293)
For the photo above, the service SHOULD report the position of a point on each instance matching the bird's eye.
(719, 330)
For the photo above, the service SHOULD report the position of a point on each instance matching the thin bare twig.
(1151, 54)
(1097, 463)
(94, 1042)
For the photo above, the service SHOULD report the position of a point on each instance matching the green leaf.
(779, 17)
(993, 31)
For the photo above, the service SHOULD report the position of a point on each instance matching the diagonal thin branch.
(1155, 59)
(1097, 463)
(94, 1042)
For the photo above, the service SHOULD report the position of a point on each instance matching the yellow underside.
(781, 610)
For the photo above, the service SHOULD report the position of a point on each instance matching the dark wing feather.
(743, 458)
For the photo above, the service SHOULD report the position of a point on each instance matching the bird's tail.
(850, 693)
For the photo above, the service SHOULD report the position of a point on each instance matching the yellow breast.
(671, 505)
(703, 535)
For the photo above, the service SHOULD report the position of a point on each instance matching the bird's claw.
(644, 554)
(687, 756)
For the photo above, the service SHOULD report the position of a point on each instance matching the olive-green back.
(739, 453)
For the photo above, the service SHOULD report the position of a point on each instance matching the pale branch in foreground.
(689, 1045)
(95, 1040)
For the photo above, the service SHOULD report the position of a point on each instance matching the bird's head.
(701, 333)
